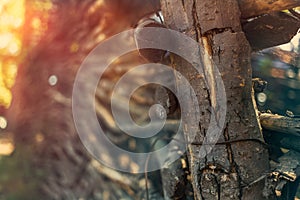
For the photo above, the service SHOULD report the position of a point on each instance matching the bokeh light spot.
(13, 48)
(3, 122)
(74, 47)
(36, 23)
(5, 39)
(52, 80)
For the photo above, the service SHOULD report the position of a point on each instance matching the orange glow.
(74, 47)
(12, 13)
(36, 23)
(6, 147)
(43, 5)
(5, 39)
(96, 5)
(11, 21)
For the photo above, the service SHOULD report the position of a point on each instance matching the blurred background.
(280, 67)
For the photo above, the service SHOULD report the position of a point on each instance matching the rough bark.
(271, 30)
(267, 30)
(251, 8)
(226, 172)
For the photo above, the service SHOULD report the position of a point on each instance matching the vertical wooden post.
(239, 159)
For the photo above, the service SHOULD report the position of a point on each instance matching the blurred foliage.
(16, 179)
(17, 37)
(56, 36)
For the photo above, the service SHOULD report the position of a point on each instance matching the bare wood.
(251, 8)
(280, 123)
(271, 30)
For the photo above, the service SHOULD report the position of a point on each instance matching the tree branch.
(252, 8)
(280, 123)
(271, 30)
(248, 8)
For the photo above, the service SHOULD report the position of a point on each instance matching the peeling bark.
(227, 171)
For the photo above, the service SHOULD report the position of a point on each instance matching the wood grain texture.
(280, 123)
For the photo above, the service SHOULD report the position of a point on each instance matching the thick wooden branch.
(248, 8)
(262, 32)
(281, 131)
(252, 8)
(271, 30)
(215, 25)
(280, 123)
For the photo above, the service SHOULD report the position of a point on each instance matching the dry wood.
(251, 8)
(280, 123)
(215, 25)
(268, 30)
(271, 30)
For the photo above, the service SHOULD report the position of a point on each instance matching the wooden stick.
(252, 8)
(280, 123)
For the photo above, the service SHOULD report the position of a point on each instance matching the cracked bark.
(227, 171)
